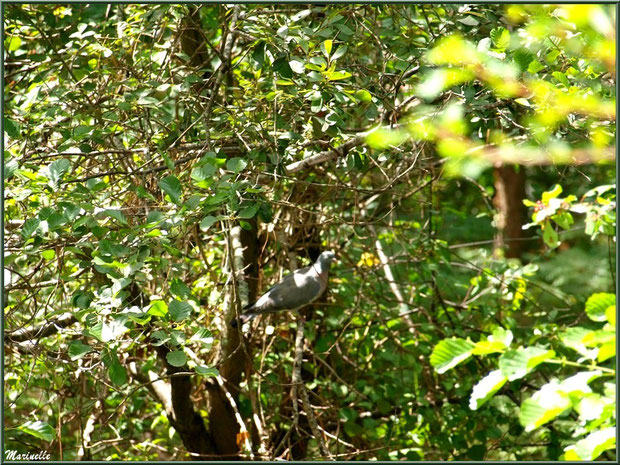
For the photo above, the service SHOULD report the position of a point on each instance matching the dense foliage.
(165, 164)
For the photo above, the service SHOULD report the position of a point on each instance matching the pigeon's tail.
(243, 319)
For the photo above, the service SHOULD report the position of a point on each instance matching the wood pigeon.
(294, 291)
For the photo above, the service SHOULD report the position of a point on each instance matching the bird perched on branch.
(294, 291)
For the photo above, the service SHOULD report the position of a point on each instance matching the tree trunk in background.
(508, 200)
(223, 426)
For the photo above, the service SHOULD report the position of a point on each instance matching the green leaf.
(449, 353)
(258, 54)
(485, 388)
(203, 335)
(517, 363)
(610, 313)
(552, 194)
(179, 310)
(12, 43)
(337, 75)
(535, 66)
(561, 77)
(563, 219)
(545, 405)
(469, 21)
(500, 37)
(593, 445)
(158, 308)
(48, 254)
(171, 186)
(203, 172)
(38, 429)
(29, 227)
(179, 288)
(236, 164)
(363, 95)
(597, 305)
(116, 214)
(161, 336)
(550, 236)
(326, 47)
(248, 212)
(77, 350)
(340, 51)
(176, 358)
(207, 222)
(297, 66)
(116, 371)
(574, 338)
(10, 166)
(207, 371)
(58, 169)
(11, 128)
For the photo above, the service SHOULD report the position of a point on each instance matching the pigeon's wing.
(296, 290)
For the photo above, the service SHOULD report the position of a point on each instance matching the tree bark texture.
(508, 200)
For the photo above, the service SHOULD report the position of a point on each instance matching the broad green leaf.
(597, 305)
(77, 350)
(158, 308)
(203, 335)
(11, 128)
(179, 310)
(550, 236)
(552, 194)
(207, 222)
(161, 336)
(116, 371)
(546, 404)
(29, 227)
(500, 37)
(326, 47)
(485, 388)
(38, 429)
(574, 338)
(177, 337)
(363, 95)
(337, 75)
(488, 347)
(116, 214)
(48, 254)
(179, 288)
(58, 169)
(593, 445)
(469, 21)
(340, 51)
(297, 66)
(248, 212)
(12, 43)
(171, 186)
(203, 172)
(10, 166)
(516, 363)
(606, 351)
(176, 358)
(236, 164)
(578, 384)
(207, 371)
(449, 353)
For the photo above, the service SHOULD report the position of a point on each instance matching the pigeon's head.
(326, 258)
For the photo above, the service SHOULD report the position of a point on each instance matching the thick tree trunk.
(223, 426)
(508, 200)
